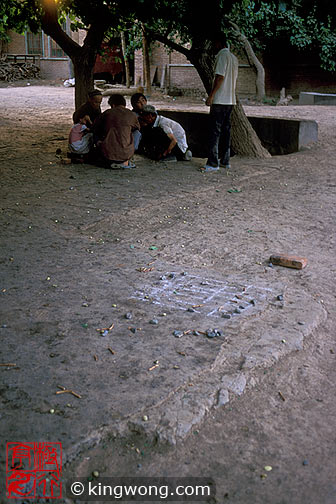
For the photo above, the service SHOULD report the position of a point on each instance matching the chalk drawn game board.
(211, 297)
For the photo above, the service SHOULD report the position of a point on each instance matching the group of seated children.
(110, 138)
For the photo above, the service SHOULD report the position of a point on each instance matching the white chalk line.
(180, 293)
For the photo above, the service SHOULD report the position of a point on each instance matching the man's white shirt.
(170, 126)
(226, 64)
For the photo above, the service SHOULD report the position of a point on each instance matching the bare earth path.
(82, 246)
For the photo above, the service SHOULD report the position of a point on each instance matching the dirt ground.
(54, 217)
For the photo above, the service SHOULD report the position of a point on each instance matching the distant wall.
(299, 77)
(51, 67)
(55, 69)
(184, 76)
(295, 71)
(17, 44)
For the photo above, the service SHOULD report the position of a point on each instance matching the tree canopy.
(308, 25)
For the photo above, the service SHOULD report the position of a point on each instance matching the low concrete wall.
(284, 136)
(317, 99)
(278, 136)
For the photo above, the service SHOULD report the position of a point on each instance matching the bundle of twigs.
(10, 71)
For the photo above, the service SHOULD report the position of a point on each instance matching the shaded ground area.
(150, 252)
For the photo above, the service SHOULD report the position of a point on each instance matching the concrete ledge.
(284, 136)
(278, 136)
(317, 99)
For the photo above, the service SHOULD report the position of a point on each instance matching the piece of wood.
(126, 59)
(289, 261)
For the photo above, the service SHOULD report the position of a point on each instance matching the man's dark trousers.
(220, 134)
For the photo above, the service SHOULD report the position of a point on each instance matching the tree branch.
(51, 26)
(169, 43)
(252, 58)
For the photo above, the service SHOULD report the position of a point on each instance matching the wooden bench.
(19, 58)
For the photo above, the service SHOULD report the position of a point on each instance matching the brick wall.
(55, 69)
(17, 44)
(184, 77)
(299, 77)
(246, 83)
(295, 73)
(51, 68)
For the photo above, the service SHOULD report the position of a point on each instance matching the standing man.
(221, 100)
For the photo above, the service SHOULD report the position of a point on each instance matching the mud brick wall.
(17, 44)
(51, 68)
(297, 74)
(186, 78)
(55, 69)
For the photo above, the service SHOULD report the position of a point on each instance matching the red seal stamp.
(33, 470)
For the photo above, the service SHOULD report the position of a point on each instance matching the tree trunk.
(146, 64)
(83, 57)
(126, 60)
(244, 139)
(83, 68)
(254, 61)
